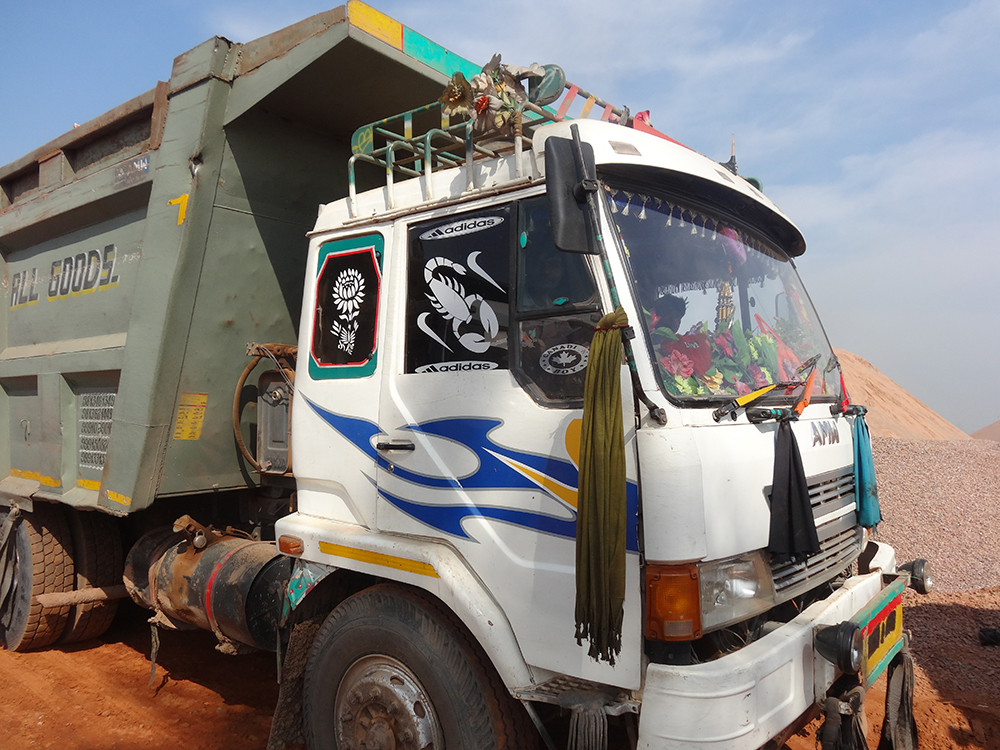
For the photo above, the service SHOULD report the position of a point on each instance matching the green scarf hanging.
(601, 517)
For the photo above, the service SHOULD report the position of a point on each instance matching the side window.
(457, 309)
(345, 326)
(556, 312)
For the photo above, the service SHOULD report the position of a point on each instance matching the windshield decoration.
(473, 322)
(457, 293)
(726, 313)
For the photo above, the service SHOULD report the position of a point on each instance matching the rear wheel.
(98, 561)
(392, 668)
(39, 561)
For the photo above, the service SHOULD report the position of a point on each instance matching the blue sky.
(875, 126)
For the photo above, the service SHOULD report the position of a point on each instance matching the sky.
(874, 126)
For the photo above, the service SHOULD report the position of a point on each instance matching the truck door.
(338, 385)
(481, 407)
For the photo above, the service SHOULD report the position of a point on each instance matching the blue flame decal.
(491, 473)
(448, 518)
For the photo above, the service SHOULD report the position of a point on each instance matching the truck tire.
(42, 565)
(98, 560)
(392, 661)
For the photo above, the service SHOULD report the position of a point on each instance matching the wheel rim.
(381, 705)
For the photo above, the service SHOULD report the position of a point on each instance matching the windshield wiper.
(803, 402)
(731, 407)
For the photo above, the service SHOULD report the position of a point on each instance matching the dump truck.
(501, 417)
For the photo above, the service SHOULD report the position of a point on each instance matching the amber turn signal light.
(290, 545)
(673, 603)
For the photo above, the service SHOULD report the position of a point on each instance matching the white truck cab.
(436, 431)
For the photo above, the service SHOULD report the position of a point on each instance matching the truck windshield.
(725, 311)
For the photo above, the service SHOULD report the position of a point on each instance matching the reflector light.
(290, 545)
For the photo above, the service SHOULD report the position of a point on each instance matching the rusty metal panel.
(110, 144)
(127, 111)
(259, 51)
(52, 169)
(214, 58)
(159, 117)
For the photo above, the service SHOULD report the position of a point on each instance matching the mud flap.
(286, 726)
(899, 730)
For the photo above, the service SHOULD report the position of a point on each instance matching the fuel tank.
(200, 577)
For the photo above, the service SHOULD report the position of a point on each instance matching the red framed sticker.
(345, 323)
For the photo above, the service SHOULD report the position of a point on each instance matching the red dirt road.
(96, 697)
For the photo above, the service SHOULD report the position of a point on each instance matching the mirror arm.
(586, 191)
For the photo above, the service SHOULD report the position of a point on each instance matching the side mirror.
(566, 188)
(549, 88)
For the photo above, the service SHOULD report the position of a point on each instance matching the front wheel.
(392, 668)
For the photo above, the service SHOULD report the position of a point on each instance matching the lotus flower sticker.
(348, 293)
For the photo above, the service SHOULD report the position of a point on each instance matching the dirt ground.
(96, 696)
(957, 697)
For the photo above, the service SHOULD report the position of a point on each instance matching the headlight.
(842, 645)
(734, 590)
(685, 601)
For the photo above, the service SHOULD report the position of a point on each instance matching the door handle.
(395, 446)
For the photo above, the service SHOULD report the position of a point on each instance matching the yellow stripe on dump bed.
(375, 23)
(379, 558)
(42, 479)
(408, 41)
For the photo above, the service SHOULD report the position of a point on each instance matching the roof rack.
(437, 144)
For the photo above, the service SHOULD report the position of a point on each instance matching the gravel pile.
(940, 500)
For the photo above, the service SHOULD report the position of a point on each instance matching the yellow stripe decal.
(117, 497)
(378, 558)
(375, 23)
(88, 484)
(40, 478)
(574, 437)
(567, 494)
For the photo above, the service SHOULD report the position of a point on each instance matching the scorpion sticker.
(473, 321)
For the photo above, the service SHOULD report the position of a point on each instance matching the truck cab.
(436, 434)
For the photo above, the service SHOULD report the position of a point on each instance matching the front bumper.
(744, 699)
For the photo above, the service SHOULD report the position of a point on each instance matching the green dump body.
(143, 250)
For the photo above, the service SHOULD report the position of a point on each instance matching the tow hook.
(844, 725)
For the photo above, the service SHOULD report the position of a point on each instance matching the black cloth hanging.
(899, 730)
(793, 528)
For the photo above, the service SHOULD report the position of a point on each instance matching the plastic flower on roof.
(488, 113)
(498, 95)
(457, 96)
(493, 98)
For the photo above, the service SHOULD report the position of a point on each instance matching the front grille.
(832, 498)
